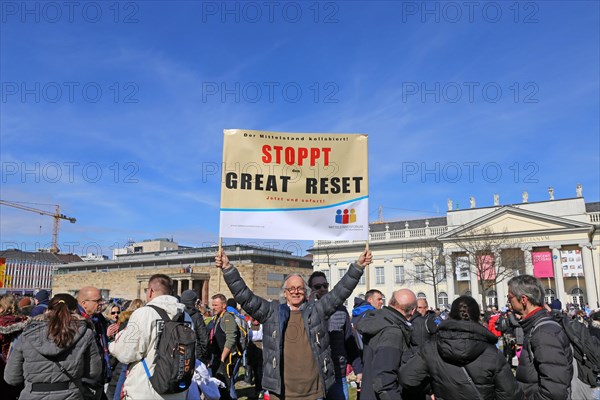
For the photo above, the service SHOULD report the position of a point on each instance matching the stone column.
(588, 273)
(474, 281)
(450, 277)
(191, 284)
(205, 291)
(528, 260)
(558, 275)
(501, 287)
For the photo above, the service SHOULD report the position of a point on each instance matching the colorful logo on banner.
(2, 272)
(542, 264)
(572, 265)
(345, 217)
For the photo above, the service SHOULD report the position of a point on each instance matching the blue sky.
(115, 111)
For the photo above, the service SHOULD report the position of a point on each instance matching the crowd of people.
(306, 346)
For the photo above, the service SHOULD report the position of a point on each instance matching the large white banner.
(294, 186)
(571, 263)
(463, 268)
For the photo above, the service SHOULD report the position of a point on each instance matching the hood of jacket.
(36, 335)
(13, 323)
(460, 342)
(168, 303)
(375, 321)
(360, 306)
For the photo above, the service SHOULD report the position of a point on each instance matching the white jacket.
(137, 341)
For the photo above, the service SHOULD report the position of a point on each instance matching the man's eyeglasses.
(510, 296)
(299, 289)
(319, 286)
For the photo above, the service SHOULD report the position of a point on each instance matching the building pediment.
(515, 221)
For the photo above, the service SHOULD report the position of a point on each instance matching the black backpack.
(586, 348)
(175, 354)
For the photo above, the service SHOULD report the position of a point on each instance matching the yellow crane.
(56, 215)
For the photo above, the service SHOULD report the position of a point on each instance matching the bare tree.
(430, 268)
(491, 257)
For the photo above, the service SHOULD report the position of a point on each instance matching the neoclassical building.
(441, 258)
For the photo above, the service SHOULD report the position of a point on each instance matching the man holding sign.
(296, 352)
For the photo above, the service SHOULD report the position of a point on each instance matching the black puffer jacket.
(274, 317)
(546, 374)
(386, 336)
(202, 352)
(462, 344)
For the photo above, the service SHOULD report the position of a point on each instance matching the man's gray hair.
(528, 286)
(306, 288)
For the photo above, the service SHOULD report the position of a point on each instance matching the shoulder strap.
(472, 383)
(80, 387)
(163, 314)
(542, 321)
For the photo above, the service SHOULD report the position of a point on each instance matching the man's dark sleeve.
(386, 362)
(202, 340)
(329, 303)
(257, 307)
(352, 350)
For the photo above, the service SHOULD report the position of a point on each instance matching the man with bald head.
(297, 362)
(386, 336)
(90, 306)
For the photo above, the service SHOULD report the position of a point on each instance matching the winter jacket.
(28, 362)
(344, 349)
(594, 328)
(41, 308)
(139, 340)
(545, 373)
(202, 353)
(423, 327)
(274, 317)
(11, 327)
(386, 336)
(461, 344)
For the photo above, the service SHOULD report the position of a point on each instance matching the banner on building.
(572, 265)
(542, 264)
(294, 186)
(462, 269)
(2, 272)
(486, 267)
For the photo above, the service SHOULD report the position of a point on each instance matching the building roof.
(412, 224)
(31, 256)
(592, 207)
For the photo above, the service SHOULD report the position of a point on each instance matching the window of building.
(549, 296)
(577, 295)
(399, 274)
(273, 276)
(342, 272)
(379, 276)
(442, 299)
(327, 275)
(363, 279)
(492, 298)
(273, 291)
(419, 273)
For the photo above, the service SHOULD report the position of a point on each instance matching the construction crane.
(57, 217)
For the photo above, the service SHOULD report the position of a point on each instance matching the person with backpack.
(41, 298)
(387, 340)
(225, 346)
(54, 354)
(154, 371)
(461, 360)
(546, 362)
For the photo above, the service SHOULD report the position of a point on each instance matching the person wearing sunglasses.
(297, 361)
(344, 349)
